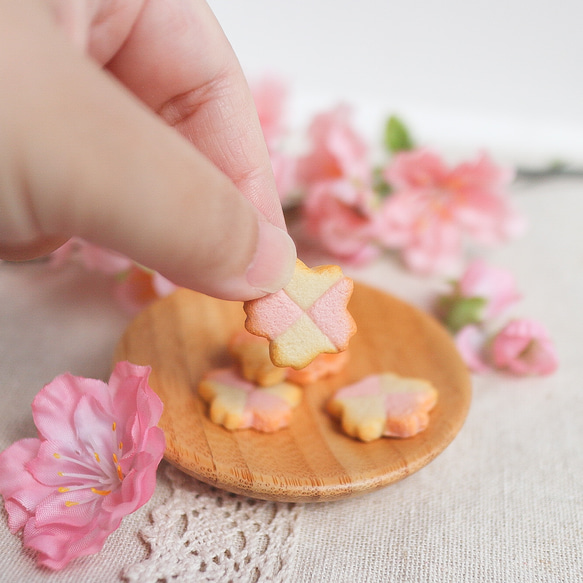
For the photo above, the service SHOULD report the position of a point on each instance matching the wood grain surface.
(184, 335)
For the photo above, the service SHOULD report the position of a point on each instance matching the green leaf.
(459, 312)
(397, 136)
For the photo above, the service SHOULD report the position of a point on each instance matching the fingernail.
(274, 261)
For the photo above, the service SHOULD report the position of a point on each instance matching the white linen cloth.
(503, 503)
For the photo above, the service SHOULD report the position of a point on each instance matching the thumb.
(86, 158)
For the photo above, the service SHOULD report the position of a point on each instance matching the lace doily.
(203, 534)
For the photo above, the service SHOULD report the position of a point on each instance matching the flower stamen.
(77, 461)
(101, 492)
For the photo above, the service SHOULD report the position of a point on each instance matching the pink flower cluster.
(483, 293)
(93, 463)
(415, 204)
(135, 286)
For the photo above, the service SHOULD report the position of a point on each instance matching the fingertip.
(274, 260)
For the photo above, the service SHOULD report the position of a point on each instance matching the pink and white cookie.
(321, 367)
(307, 317)
(384, 404)
(252, 355)
(236, 403)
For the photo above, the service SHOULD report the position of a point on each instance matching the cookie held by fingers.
(307, 317)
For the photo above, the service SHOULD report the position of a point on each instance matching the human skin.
(129, 123)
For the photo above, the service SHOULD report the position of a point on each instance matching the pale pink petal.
(21, 491)
(471, 344)
(162, 286)
(127, 382)
(285, 173)
(415, 169)
(337, 150)
(140, 482)
(270, 95)
(339, 216)
(97, 258)
(496, 286)
(523, 347)
(54, 406)
(58, 545)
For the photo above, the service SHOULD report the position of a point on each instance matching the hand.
(129, 123)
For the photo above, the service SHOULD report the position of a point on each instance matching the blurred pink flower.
(94, 462)
(92, 257)
(434, 208)
(523, 347)
(270, 95)
(483, 292)
(285, 172)
(496, 286)
(337, 150)
(471, 343)
(340, 217)
(138, 287)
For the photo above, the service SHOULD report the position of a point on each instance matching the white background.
(504, 74)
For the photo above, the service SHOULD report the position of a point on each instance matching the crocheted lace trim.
(203, 534)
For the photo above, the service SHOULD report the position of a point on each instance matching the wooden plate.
(185, 334)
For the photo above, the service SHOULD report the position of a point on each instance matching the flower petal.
(21, 491)
(54, 406)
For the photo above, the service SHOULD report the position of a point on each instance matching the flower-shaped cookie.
(252, 355)
(236, 403)
(307, 317)
(384, 404)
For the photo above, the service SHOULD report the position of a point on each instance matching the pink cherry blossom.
(434, 208)
(337, 150)
(523, 347)
(270, 94)
(92, 257)
(482, 293)
(340, 216)
(94, 462)
(284, 168)
(139, 287)
(136, 286)
(471, 344)
(496, 286)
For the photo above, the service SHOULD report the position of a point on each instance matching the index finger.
(178, 61)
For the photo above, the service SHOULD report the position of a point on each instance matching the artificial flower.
(482, 293)
(471, 344)
(523, 347)
(340, 216)
(92, 257)
(137, 287)
(433, 208)
(337, 151)
(270, 95)
(94, 462)
(284, 169)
